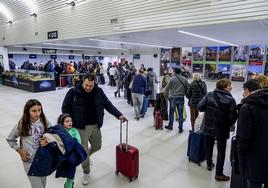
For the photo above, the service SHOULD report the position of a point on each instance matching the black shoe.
(169, 127)
(115, 94)
(136, 118)
(222, 178)
(210, 167)
(180, 130)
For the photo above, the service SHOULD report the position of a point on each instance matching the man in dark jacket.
(86, 103)
(220, 114)
(252, 139)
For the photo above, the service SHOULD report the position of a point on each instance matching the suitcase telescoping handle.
(121, 127)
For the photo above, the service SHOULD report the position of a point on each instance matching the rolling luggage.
(158, 120)
(196, 147)
(63, 81)
(127, 157)
(237, 181)
(144, 105)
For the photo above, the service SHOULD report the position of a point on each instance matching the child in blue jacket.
(66, 121)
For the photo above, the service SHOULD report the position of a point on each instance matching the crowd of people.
(85, 103)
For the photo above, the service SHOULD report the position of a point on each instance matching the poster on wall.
(253, 69)
(165, 54)
(240, 54)
(175, 55)
(238, 73)
(198, 53)
(225, 53)
(224, 71)
(164, 59)
(210, 71)
(256, 53)
(198, 68)
(187, 53)
(211, 53)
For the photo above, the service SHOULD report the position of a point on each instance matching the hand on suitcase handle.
(122, 118)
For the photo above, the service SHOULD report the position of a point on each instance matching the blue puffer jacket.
(49, 158)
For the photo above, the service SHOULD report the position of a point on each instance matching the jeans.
(176, 102)
(252, 184)
(137, 103)
(221, 147)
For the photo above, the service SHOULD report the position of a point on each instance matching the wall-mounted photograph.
(198, 53)
(186, 53)
(238, 73)
(211, 53)
(165, 54)
(225, 53)
(186, 67)
(224, 71)
(256, 52)
(210, 71)
(198, 68)
(240, 53)
(175, 54)
(253, 70)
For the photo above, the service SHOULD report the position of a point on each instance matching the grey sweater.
(28, 143)
(177, 86)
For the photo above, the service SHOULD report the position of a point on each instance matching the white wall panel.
(92, 17)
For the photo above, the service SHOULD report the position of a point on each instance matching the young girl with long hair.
(29, 130)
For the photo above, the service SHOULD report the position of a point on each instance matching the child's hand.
(25, 156)
(43, 142)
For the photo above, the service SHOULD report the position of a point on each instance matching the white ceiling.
(240, 33)
(14, 10)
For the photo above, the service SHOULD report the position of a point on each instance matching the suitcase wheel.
(117, 172)
(161, 128)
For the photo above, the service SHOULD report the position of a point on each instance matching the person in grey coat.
(177, 87)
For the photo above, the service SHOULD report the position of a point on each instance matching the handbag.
(199, 121)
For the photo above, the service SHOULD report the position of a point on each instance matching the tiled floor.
(163, 161)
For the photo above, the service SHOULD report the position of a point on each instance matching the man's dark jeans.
(221, 147)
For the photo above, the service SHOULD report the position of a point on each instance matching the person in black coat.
(252, 139)
(86, 103)
(195, 93)
(220, 114)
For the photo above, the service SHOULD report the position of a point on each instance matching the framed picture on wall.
(224, 71)
(256, 53)
(240, 54)
(186, 53)
(198, 53)
(225, 53)
(210, 71)
(198, 68)
(238, 73)
(165, 54)
(211, 53)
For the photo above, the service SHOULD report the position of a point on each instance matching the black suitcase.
(237, 181)
(196, 151)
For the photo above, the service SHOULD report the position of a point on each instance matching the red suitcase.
(158, 120)
(127, 157)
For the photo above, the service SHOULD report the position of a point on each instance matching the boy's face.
(68, 123)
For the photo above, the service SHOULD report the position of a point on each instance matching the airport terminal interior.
(212, 38)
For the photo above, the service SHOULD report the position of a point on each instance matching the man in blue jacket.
(86, 103)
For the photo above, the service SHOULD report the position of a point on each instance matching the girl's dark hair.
(25, 123)
(62, 117)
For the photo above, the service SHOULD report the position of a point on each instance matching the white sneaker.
(85, 179)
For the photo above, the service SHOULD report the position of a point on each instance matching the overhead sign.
(136, 56)
(52, 34)
(49, 51)
(71, 57)
(53, 57)
(32, 56)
